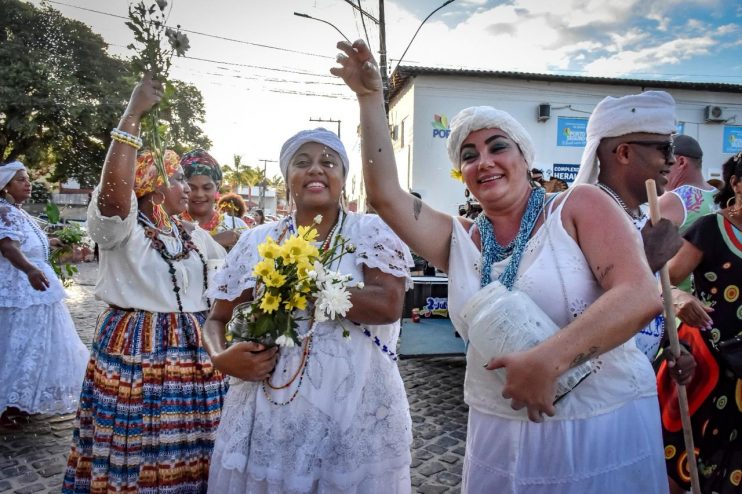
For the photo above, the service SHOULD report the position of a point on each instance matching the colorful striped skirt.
(149, 408)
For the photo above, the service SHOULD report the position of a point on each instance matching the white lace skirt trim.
(613, 453)
(43, 361)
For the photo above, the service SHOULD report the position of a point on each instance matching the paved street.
(34, 450)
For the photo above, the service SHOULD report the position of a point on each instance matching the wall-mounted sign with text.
(565, 171)
(732, 139)
(440, 126)
(571, 131)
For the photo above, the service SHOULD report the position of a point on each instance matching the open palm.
(358, 68)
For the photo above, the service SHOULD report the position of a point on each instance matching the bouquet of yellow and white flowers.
(293, 283)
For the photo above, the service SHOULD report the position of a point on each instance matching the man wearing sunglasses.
(629, 140)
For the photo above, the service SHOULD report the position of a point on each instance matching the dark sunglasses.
(665, 147)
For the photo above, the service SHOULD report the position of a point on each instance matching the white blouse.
(133, 275)
(551, 257)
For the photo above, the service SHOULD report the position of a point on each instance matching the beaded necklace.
(185, 246)
(307, 344)
(34, 227)
(634, 216)
(210, 226)
(493, 252)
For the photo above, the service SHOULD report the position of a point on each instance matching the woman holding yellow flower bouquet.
(327, 411)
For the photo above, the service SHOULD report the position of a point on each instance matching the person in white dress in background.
(341, 424)
(42, 360)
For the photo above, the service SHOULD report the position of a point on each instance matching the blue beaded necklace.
(493, 252)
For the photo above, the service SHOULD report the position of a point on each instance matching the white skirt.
(42, 360)
(617, 452)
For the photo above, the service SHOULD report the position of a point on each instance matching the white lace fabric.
(348, 428)
(15, 289)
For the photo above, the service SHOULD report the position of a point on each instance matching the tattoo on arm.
(417, 206)
(601, 276)
(581, 358)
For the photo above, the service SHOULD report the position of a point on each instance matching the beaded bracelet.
(126, 138)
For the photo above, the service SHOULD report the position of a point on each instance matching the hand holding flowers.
(294, 282)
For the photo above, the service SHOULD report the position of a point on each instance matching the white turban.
(318, 135)
(477, 118)
(8, 171)
(652, 112)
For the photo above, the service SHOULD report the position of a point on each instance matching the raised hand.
(358, 68)
(146, 94)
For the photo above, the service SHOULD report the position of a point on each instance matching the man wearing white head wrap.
(319, 135)
(8, 171)
(629, 140)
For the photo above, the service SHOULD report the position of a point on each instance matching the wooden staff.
(672, 333)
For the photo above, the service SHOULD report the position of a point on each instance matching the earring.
(732, 210)
(155, 203)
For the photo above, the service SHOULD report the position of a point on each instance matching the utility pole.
(327, 120)
(265, 183)
(382, 57)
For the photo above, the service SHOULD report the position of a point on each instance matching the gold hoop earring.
(152, 198)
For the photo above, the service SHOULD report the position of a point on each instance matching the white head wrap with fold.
(477, 118)
(8, 171)
(318, 135)
(652, 112)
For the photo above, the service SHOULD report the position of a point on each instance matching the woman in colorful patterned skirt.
(329, 415)
(713, 254)
(151, 400)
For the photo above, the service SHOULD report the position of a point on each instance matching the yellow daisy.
(308, 233)
(270, 302)
(456, 175)
(264, 268)
(269, 249)
(298, 301)
(274, 279)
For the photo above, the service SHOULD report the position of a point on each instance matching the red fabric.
(704, 380)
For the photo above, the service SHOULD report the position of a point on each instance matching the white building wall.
(429, 168)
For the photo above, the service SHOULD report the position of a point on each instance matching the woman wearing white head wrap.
(348, 428)
(604, 435)
(42, 359)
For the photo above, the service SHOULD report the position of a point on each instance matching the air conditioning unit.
(714, 114)
(544, 112)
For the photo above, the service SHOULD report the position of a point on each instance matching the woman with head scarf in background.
(43, 360)
(342, 423)
(558, 254)
(204, 176)
(151, 399)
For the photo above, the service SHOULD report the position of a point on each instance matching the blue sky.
(257, 96)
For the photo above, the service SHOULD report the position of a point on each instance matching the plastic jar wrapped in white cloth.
(502, 321)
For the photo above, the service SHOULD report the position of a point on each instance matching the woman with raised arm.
(559, 252)
(329, 415)
(151, 399)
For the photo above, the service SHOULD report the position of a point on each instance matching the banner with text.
(732, 139)
(565, 171)
(571, 131)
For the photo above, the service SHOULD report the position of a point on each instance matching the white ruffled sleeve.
(377, 246)
(11, 223)
(110, 231)
(236, 275)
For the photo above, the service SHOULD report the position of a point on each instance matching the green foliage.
(52, 213)
(70, 236)
(39, 192)
(59, 92)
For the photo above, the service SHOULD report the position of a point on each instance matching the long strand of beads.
(34, 227)
(493, 252)
(383, 347)
(298, 386)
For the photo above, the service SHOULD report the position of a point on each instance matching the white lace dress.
(42, 360)
(348, 429)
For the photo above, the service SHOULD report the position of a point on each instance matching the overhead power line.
(215, 36)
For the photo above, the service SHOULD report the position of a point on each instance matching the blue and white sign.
(571, 132)
(565, 171)
(732, 139)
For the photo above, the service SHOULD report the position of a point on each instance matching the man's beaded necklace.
(493, 252)
(614, 195)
